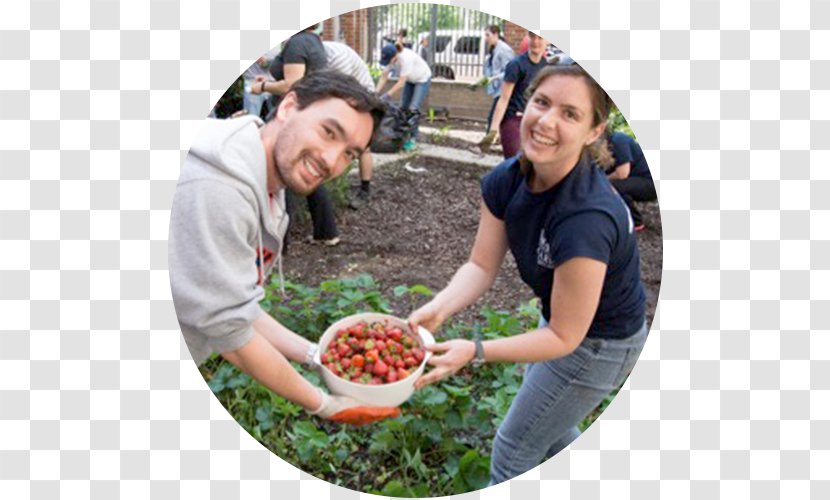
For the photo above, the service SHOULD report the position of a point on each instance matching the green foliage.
(375, 71)
(231, 100)
(617, 123)
(441, 443)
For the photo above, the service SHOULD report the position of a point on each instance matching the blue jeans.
(253, 102)
(412, 98)
(554, 398)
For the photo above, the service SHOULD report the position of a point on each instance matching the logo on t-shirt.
(543, 257)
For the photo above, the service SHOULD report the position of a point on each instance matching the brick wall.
(513, 35)
(353, 26)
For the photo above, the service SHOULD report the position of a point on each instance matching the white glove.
(330, 405)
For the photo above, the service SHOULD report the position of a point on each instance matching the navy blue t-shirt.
(520, 71)
(582, 216)
(627, 150)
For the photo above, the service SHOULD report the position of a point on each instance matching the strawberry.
(343, 350)
(372, 354)
(395, 334)
(380, 368)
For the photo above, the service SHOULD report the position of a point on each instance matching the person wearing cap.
(414, 78)
(228, 225)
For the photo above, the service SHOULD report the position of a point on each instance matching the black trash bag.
(393, 131)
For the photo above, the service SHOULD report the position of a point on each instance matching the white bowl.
(393, 394)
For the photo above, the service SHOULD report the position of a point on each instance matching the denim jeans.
(253, 102)
(412, 98)
(554, 397)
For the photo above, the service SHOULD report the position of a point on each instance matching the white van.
(459, 55)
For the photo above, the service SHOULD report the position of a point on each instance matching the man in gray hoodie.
(228, 223)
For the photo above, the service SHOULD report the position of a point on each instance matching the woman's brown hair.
(600, 102)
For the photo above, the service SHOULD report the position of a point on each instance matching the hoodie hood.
(232, 152)
(234, 148)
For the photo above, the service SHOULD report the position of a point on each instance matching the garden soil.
(419, 228)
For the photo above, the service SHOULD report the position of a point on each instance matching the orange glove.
(345, 410)
(362, 415)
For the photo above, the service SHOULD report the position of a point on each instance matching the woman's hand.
(428, 316)
(457, 353)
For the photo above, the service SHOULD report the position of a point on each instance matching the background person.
(499, 54)
(228, 224)
(630, 175)
(572, 239)
(518, 74)
(340, 57)
(414, 78)
(303, 54)
(253, 103)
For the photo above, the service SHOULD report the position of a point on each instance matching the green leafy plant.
(441, 443)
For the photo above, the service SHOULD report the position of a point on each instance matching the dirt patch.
(419, 228)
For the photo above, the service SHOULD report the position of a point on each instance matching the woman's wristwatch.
(478, 360)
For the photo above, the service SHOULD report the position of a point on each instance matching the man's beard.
(287, 169)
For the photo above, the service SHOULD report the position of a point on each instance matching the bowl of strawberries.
(373, 358)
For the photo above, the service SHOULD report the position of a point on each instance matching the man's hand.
(345, 410)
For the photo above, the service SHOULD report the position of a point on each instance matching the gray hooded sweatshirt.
(222, 223)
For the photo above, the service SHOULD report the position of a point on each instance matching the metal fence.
(450, 38)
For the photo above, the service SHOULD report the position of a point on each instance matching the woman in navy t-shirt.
(574, 244)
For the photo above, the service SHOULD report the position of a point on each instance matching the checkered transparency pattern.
(100, 99)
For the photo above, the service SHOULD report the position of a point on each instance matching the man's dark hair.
(494, 29)
(325, 84)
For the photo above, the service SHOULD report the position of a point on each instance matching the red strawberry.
(343, 350)
(380, 368)
(402, 374)
(358, 360)
(395, 334)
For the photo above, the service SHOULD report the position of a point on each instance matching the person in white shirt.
(415, 77)
(342, 58)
